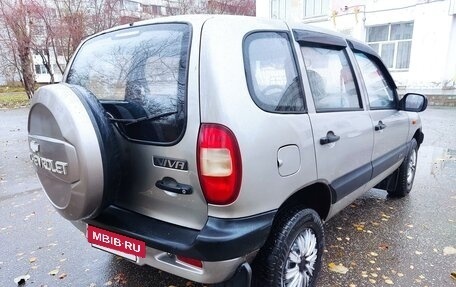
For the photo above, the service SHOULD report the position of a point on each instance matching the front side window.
(271, 72)
(139, 75)
(393, 42)
(331, 79)
(380, 94)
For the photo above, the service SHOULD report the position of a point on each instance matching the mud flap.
(241, 278)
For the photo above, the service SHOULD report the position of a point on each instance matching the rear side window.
(139, 75)
(331, 79)
(271, 72)
(381, 95)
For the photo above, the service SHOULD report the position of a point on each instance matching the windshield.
(138, 73)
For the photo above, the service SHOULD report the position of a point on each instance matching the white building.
(41, 73)
(415, 38)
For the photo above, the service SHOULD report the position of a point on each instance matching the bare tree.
(232, 7)
(10, 66)
(15, 15)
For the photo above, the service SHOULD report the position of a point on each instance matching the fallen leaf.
(33, 259)
(53, 272)
(20, 280)
(400, 274)
(453, 275)
(449, 250)
(409, 237)
(63, 275)
(372, 281)
(383, 246)
(121, 278)
(374, 254)
(341, 269)
(389, 282)
(418, 252)
(374, 275)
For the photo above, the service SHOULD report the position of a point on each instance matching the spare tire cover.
(73, 149)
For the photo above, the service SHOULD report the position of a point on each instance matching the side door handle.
(171, 185)
(380, 126)
(329, 138)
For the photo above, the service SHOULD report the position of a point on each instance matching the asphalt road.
(381, 241)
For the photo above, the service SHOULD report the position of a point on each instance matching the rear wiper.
(128, 122)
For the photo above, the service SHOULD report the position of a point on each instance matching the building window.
(393, 42)
(40, 69)
(278, 9)
(131, 6)
(314, 8)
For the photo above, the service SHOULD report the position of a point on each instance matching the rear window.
(140, 76)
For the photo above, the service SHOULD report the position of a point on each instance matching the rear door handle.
(329, 138)
(171, 185)
(380, 126)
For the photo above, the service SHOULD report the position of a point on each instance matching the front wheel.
(406, 172)
(291, 257)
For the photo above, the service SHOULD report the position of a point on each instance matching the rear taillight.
(219, 164)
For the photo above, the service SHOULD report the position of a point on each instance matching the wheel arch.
(418, 136)
(316, 196)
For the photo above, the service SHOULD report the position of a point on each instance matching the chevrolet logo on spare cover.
(57, 167)
(34, 146)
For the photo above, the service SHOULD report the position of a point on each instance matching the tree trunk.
(28, 76)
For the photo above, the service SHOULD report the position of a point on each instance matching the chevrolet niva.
(204, 145)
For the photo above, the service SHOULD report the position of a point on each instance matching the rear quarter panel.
(225, 99)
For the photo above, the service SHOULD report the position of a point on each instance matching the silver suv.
(203, 145)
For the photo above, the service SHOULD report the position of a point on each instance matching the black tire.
(273, 259)
(406, 172)
(109, 145)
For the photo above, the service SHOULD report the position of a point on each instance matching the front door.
(389, 123)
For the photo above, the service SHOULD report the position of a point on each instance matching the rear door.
(390, 124)
(141, 77)
(342, 128)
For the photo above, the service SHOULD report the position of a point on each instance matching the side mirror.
(412, 102)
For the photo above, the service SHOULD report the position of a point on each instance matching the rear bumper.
(222, 244)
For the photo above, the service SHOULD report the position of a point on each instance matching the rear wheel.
(292, 254)
(406, 172)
